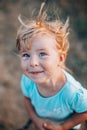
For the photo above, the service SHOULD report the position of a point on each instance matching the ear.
(62, 58)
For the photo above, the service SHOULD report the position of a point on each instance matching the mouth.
(36, 72)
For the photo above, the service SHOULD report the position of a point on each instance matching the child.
(53, 98)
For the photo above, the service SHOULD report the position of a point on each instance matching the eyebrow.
(38, 50)
(22, 52)
(41, 49)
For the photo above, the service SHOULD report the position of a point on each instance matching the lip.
(36, 72)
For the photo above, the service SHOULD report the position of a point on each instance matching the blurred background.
(12, 112)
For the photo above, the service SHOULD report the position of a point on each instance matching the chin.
(39, 81)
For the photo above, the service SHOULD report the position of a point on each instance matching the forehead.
(44, 41)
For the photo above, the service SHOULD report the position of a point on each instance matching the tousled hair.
(42, 26)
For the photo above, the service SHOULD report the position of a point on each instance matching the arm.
(32, 114)
(72, 121)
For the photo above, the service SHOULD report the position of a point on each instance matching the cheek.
(24, 65)
(50, 67)
(52, 63)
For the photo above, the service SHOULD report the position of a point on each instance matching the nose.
(34, 61)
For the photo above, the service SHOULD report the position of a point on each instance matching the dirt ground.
(12, 111)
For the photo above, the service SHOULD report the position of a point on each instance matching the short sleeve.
(80, 101)
(26, 86)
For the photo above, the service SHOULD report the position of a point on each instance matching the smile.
(36, 72)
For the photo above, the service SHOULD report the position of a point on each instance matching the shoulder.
(73, 87)
(27, 86)
(77, 94)
(73, 84)
(25, 81)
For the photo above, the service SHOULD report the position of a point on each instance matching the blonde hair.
(41, 26)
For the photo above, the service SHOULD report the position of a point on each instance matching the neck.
(52, 86)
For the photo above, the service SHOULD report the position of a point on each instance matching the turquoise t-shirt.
(71, 98)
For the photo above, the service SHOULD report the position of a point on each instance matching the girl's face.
(41, 62)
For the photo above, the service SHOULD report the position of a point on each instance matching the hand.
(50, 126)
(39, 124)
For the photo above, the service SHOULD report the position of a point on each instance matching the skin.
(42, 65)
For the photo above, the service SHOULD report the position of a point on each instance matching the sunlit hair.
(41, 26)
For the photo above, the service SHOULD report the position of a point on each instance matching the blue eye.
(42, 54)
(26, 55)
